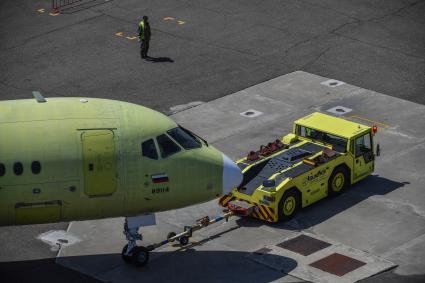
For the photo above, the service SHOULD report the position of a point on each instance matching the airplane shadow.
(183, 266)
(331, 206)
(159, 59)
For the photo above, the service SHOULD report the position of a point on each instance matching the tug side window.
(363, 145)
(149, 149)
(166, 146)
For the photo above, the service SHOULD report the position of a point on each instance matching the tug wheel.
(337, 181)
(140, 256)
(126, 258)
(184, 240)
(289, 205)
(170, 235)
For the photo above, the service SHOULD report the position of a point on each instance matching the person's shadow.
(159, 59)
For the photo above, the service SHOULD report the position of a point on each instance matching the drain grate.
(339, 110)
(332, 83)
(337, 264)
(251, 113)
(304, 245)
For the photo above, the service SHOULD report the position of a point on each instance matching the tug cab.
(321, 157)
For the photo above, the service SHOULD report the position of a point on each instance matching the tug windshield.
(338, 144)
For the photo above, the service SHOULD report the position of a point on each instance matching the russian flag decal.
(159, 178)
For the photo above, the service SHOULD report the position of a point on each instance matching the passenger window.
(18, 168)
(36, 167)
(2, 170)
(166, 146)
(184, 138)
(363, 145)
(149, 149)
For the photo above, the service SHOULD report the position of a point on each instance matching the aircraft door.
(99, 161)
(363, 156)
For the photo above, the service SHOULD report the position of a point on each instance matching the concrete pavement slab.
(307, 269)
(374, 218)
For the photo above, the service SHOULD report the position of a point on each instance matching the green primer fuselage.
(91, 164)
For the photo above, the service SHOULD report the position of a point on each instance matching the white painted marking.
(251, 113)
(339, 110)
(58, 238)
(332, 83)
(179, 108)
(83, 100)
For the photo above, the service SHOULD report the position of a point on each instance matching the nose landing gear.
(131, 253)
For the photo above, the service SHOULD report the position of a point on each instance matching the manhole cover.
(332, 83)
(339, 110)
(251, 113)
(337, 264)
(304, 245)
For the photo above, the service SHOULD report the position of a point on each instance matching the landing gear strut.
(131, 253)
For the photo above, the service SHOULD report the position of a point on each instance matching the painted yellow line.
(181, 22)
(54, 14)
(119, 33)
(370, 120)
(40, 10)
(168, 18)
(131, 37)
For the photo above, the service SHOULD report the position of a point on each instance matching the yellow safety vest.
(142, 30)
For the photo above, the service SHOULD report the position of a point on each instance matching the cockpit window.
(166, 146)
(184, 138)
(149, 150)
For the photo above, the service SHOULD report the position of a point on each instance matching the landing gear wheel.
(289, 205)
(184, 240)
(140, 256)
(170, 235)
(338, 181)
(126, 258)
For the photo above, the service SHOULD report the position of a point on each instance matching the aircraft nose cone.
(232, 175)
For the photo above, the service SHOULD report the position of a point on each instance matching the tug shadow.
(324, 209)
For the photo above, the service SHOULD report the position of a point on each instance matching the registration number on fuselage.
(160, 190)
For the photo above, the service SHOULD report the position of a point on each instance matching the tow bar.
(235, 208)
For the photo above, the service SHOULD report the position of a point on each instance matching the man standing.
(144, 31)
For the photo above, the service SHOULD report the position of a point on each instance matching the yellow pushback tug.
(322, 156)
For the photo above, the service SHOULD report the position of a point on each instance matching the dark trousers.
(144, 47)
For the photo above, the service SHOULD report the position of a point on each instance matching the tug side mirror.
(378, 150)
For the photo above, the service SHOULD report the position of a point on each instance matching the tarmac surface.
(201, 51)
(380, 220)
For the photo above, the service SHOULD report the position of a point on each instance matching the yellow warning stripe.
(224, 200)
(262, 212)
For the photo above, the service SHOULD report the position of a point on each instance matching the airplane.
(67, 159)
